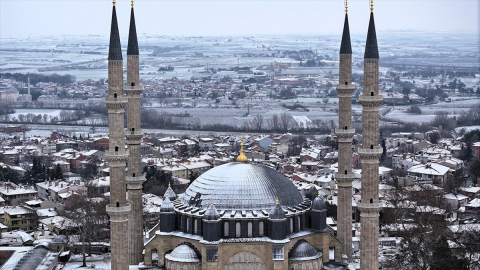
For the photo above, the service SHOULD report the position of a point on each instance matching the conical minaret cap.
(132, 35)
(371, 48)
(114, 49)
(346, 45)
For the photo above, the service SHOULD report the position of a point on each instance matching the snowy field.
(454, 108)
(49, 112)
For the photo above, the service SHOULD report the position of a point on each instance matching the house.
(473, 208)
(205, 144)
(52, 190)
(430, 173)
(278, 148)
(16, 195)
(176, 170)
(456, 200)
(470, 192)
(20, 218)
(98, 186)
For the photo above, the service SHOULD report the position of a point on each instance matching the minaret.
(345, 134)
(119, 208)
(134, 134)
(370, 153)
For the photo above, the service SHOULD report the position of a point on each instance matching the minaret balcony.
(341, 131)
(119, 213)
(371, 101)
(116, 103)
(134, 90)
(342, 177)
(135, 182)
(133, 135)
(369, 207)
(375, 153)
(116, 155)
(345, 89)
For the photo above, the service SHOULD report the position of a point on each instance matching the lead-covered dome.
(303, 251)
(242, 186)
(183, 253)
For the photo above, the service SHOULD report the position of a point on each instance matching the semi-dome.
(242, 186)
(303, 252)
(183, 253)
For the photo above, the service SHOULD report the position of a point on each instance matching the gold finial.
(371, 5)
(241, 157)
(319, 193)
(168, 184)
(211, 202)
(114, 2)
(346, 6)
(276, 201)
(132, 3)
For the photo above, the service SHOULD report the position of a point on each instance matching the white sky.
(229, 17)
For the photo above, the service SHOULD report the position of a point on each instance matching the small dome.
(167, 205)
(311, 193)
(170, 193)
(277, 212)
(304, 252)
(319, 204)
(211, 213)
(183, 253)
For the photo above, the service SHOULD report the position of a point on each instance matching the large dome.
(242, 186)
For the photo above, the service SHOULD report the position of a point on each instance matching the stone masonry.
(134, 135)
(118, 208)
(370, 154)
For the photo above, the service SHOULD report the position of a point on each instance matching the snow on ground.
(100, 262)
(49, 112)
(467, 128)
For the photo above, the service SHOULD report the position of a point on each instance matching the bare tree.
(274, 122)
(285, 121)
(88, 219)
(257, 122)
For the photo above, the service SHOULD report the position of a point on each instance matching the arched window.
(261, 228)
(371, 200)
(372, 94)
(346, 171)
(298, 223)
(249, 229)
(346, 128)
(133, 84)
(346, 83)
(118, 204)
(195, 226)
(226, 229)
(115, 95)
(291, 225)
(116, 148)
(238, 230)
(133, 174)
(371, 146)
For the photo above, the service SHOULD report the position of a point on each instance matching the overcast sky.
(229, 17)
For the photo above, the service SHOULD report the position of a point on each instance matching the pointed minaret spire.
(346, 46)
(371, 48)
(132, 35)
(115, 49)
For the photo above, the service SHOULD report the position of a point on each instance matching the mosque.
(240, 215)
